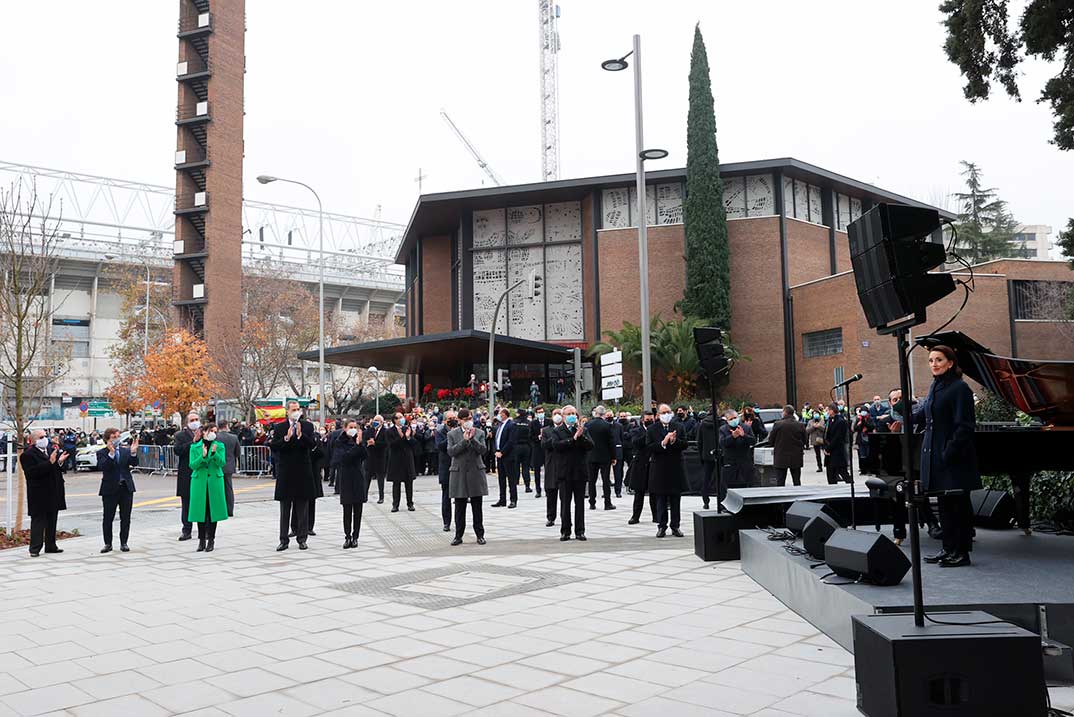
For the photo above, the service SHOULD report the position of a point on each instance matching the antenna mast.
(548, 17)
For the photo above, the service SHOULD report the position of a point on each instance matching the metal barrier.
(158, 460)
(254, 461)
(10, 470)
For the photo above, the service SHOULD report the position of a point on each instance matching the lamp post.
(642, 154)
(492, 343)
(267, 179)
(148, 280)
(376, 375)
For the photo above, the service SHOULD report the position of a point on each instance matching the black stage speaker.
(866, 556)
(892, 249)
(816, 533)
(716, 535)
(992, 508)
(990, 670)
(801, 511)
(710, 351)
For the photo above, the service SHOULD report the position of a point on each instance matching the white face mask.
(557, 419)
(210, 436)
(194, 425)
(41, 443)
(295, 415)
(468, 425)
(352, 432)
(665, 418)
(540, 416)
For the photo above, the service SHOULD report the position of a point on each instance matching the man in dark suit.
(523, 449)
(665, 440)
(182, 442)
(551, 485)
(600, 458)
(444, 466)
(376, 462)
(42, 465)
(835, 445)
(537, 455)
(787, 436)
(736, 452)
(231, 464)
(294, 440)
(620, 426)
(570, 442)
(707, 453)
(506, 466)
(117, 486)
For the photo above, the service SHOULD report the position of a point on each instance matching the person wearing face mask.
(348, 454)
(836, 444)
(376, 462)
(786, 437)
(862, 427)
(571, 444)
(504, 440)
(117, 486)
(537, 452)
(400, 469)
(736, 445)
(600, 459)
(208, 500)
(182, 442)
(815, 437)
(638, 475)
(876, 408)
(666, 440)
(750, 417)
(42, 467)
(296, 486)
(551, 485)
(443, 468)
(430, 453)
(523, 454)
(467, 480)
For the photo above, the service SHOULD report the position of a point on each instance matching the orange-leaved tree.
(178, 373)
(125, 393)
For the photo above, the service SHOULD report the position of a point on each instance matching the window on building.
(72, 334)
(663, 205)
(822, 343)
(752, 196)
(802, 200)
(848, 209)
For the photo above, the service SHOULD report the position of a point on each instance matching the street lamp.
(268, 179)
(145, 335)
(641, 154)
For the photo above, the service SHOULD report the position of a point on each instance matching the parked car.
(769, 416)
(86, 456)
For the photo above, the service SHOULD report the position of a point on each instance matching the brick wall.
(620, 281)
(436, 284)
(808, 252)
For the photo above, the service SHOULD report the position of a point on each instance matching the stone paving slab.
(622, 624)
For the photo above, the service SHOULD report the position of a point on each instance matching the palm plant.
(627, 340)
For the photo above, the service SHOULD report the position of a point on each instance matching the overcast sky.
(346, 95)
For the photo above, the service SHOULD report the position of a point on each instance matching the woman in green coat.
(208, 501)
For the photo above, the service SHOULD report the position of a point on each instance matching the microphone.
(852, 379)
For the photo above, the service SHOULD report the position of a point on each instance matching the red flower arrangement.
(468, 392)
(427, 390)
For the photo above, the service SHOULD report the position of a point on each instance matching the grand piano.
(1044, 390)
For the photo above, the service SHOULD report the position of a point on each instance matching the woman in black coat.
(948, 457)
(348, 457)
(402, 447)
(665, 442)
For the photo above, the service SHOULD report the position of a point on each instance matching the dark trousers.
(507, 477)
(708, 482)
(956, 521)
(311, 518)
(604, 471)
(397, 491)
(523, 460)
(617, 472)
(124, 500)
(837, 473)
(899, 517)
(818, 451)
(207, 531)
(352, 520)
(460, 516)
(664, 505)
(551, 496)
(380, 484)
(537, 467)
(43, 531)
(184, 516)
(796, 475)
(301, 513)
(572, 491)
(445, 504)
(432, 463)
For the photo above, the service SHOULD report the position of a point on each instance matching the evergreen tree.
(985, 226)
(1065, 242)
(708, 267)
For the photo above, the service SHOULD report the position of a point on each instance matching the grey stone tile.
(735, 700)
(46, 699)
(188, 696)
(564, 664)
(331, 694)
(45, 675)
(436, 667)
(126, 705)
(664, 707)
(418, 702)
(473, 691)
(271, 703)
(568, 703)
(173, 673)
(616, 687)
(254, 681)
(386, 680)
(358, 658)
(655, 671)
(521, 676)
(117, 684)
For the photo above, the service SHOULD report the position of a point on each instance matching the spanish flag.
(269, 413)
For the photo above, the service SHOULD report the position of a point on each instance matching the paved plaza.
(623, 624)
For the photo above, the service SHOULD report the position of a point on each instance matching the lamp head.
(266, 179)
(653, 153)
(615, 64)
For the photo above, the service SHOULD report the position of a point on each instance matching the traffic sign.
(609, 358)
(100, 409)
(612, 393)
(607, 382)
(83, 407)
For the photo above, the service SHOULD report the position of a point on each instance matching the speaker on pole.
(866, 556)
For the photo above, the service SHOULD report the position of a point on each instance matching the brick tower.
(207, 277)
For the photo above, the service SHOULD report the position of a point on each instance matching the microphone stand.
(850, 462)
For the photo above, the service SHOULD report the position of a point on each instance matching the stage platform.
(740, 498)
(1011, 577)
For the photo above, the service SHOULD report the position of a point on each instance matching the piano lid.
(1043, 389)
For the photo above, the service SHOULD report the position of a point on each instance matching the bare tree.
(351, 386)
(1050, 301)
(29, 360)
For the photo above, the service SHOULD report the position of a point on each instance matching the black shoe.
(201, 546)
(310, 532)
(618, 495)
(935, 532)
(562, 538)
(210, 546)
(395, 509)
(291, 534)
(633, 521)
(593, 506)
(380, 500)
(124, 548)
(609, 506)
(411, 507)
(447, 528)
(705, 505)
(456, 541)
(498, 504)
(184, 536)
(955, 560)
(481, 541)
(935, 558)
(302, 545)
(549, 523)
(281, 546)
(511, 505)
(34, 554)
(581, 536)
(53, 550)
(347, 544)
(106, 549)
(538, 494)
(528, 489)
(661, 532)
(677, 533)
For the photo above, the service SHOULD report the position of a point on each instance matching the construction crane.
(548, 20)
(472, 150)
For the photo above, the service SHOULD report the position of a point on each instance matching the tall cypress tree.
(708, 269)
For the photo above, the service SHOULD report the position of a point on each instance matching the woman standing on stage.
(208, 500)
(948, 457)
(348, 458)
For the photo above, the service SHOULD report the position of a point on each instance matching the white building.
(1031, 241)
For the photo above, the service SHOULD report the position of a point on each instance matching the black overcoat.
(569, 461)
(736, 456)
(548, 438)
(948, 456)
(348, 458)
(181, 442)
(603, 450)
(294, 468)
(537, 454)
(836, 436)
(377, 454)
(401, 451)
(667, 475)
(637, 477)
(787, 437)
(44, 482)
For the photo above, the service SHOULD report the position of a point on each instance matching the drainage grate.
(438, 588)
